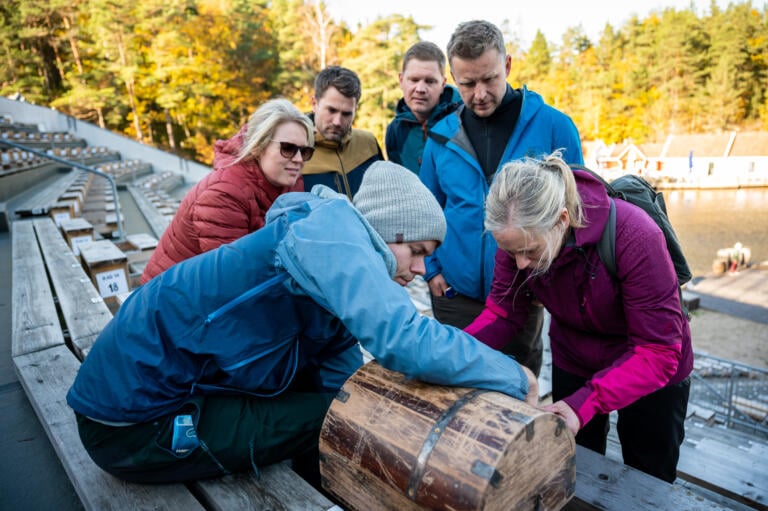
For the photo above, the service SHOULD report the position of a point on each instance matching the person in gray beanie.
(398, 205)
(246, 345)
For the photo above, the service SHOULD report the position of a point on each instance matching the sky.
(552, 17)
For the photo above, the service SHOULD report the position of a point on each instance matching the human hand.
(565, 412)
(438, 285)
(532, 398)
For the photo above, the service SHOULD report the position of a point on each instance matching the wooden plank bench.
(44, 356)
(47, 355)
(716, 461)
(605, 484)
(77, 231)
(736, 463)
(46, 369)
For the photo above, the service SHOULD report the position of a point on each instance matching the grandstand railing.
(42, 154)
(735, 393)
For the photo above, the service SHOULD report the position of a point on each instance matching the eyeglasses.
(289, 150)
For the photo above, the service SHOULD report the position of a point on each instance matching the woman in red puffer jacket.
(250, 170)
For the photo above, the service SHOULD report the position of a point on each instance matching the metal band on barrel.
(434, 435)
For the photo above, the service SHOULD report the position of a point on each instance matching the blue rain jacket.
(245, 318)
(450, 170)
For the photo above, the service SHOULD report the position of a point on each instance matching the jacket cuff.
(432, 267)
(583, 404)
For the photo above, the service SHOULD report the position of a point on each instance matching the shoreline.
(714, 186)
(731, 321)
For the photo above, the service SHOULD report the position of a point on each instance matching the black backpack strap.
(606, 247)
(610, 189)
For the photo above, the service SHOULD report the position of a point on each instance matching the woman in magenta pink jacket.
(617, 343)
(250, 170)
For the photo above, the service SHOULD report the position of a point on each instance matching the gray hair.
(427, 52)
(472, 38)
(265, 120)
(529, 194)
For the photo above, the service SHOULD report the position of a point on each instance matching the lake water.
(707, 220)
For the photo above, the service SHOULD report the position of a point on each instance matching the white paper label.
(112, 282)
(77, 241)
(58, 217)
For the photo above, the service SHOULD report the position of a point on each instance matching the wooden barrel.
(390, 443)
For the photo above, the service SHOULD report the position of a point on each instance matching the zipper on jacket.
(245, 296)
(287, 382)
(347, 189)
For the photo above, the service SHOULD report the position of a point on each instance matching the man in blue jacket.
(495, 124)
(426, 99)
(229, 360)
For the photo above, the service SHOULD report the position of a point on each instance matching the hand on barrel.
(532, 398)
(565, 412)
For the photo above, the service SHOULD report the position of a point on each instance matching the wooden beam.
(35, 322)
(278, 488)
(46, 377)
(608, 485)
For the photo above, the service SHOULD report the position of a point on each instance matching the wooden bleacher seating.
(41, 202)
(107, 266)
(139, 248)
(63, 210)
(151, 196)
(77, 231)
(40, 139)
(56, 319)
(58, 144)
(125, 171)
(47, 355)
(737, 465)
(605, 484)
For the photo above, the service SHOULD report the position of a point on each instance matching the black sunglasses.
(289, 150)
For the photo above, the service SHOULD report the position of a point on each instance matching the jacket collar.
(449, 102)
(334, 145)
(596, 206)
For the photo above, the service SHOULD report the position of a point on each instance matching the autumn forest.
(179, 74)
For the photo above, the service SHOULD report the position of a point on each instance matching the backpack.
(636, 190)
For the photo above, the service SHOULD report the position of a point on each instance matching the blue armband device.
(184, 435)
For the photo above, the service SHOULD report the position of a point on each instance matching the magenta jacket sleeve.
(656, 329)
(507, 305)
(641, 371)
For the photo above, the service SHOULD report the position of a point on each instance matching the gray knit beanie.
(398, 206)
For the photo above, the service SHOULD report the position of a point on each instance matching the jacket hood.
(319, 194)
(226, 151)
(596, 206)
(449, 101)
(320, 141)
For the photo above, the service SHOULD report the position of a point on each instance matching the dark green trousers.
(236, 434)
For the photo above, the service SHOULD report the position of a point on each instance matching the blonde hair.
(265, 120)
(530, 194)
